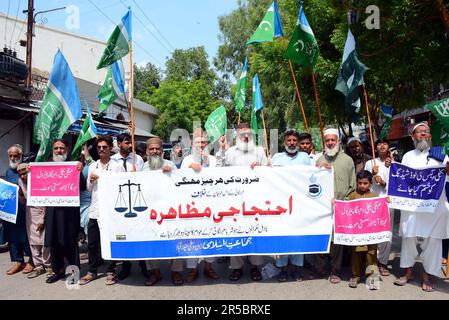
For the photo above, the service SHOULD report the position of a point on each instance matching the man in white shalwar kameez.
(433, 227)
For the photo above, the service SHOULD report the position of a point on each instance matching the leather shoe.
(54, 278)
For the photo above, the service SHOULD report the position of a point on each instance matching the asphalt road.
(18, 287)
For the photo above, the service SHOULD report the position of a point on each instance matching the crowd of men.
(49, 235)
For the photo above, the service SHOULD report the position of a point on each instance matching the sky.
(164, 24)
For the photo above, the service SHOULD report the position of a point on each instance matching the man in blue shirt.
(291, 156)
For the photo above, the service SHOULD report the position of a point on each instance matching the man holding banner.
(344, 184)
(244, 153)
(432, 226)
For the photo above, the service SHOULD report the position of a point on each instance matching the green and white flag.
(118, 43)
(440, 109)
(269, 28)
(240, 94)
(351, 76)
(303, 48)
(113, 86)
(60, 107)
(88, 131)
(216, 124)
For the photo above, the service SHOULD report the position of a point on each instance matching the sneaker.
(36, 273)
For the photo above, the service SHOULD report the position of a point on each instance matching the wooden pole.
(131, 109)
(370, 127)
(265, 134)
(297, 90)
(238, 121)
(318, 107)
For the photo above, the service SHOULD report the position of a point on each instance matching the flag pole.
(318, 106)
(265, 135)
(297, 89)
(131, 109)
(238, 121)
(369, 124)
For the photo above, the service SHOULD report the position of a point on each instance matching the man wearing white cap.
(433, 227)
(356, 151)
(344, 184)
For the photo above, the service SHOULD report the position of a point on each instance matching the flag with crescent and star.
(240, 93)
(270, 27)
(303, 47)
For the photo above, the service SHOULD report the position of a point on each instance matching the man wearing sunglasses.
(96, 170)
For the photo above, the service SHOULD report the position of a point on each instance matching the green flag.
(387, 111)
(60, 107)
(269, 28)
(351, 76)
(440, 136)
(216, 124)
(113, 86)
(303, 48)
(240, 94)
(440, 109)
(117, 46)
(88, 131)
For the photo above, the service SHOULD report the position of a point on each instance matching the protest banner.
(362, 222)
(217, 212)
(53, 184)
(8, 201)
(415, 189)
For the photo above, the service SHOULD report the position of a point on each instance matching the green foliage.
(405, 56)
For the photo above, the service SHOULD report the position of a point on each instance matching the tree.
(190, 64)
(405, 56)
(146, 80)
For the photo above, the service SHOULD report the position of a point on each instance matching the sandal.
(427, 285)
(236, 274)
(211, 274)
(353, 282)
(153, 279)
(334, 278)
(176, 278)
(402, 281)
(87, 278)
(192, 275)
(110, 279)
(383, 270)
(255, 274)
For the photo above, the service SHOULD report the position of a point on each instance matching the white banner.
(217, 212)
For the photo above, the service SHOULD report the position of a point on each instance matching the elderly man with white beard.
(433, 227)
(292, 156)
(344, 184)
(244, 153)
(157, 162)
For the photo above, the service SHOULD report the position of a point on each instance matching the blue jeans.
(295, 259)
(17, 251)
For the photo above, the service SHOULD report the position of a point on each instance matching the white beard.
(59, 157)
(291, 151)
(155, 162)
(422, 145)
(332, 152)
(13, 164)
(245, 147)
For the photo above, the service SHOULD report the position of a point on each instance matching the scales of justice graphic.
(139, 202)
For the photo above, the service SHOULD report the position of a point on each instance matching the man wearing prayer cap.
(433, 227)
(344, 184)
(356, 151)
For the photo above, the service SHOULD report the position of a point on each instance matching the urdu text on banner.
(415, 189)
(8, 201)
(53, 184)
(217, 212)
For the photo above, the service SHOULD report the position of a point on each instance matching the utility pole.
(30, 24)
